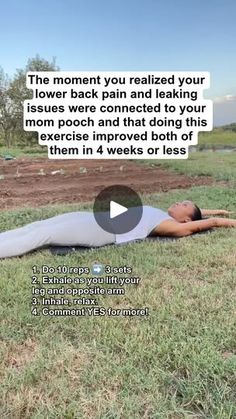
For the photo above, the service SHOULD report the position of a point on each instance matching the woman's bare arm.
(215, 212)
(171, 228)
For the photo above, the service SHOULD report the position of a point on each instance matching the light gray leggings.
(70, 229)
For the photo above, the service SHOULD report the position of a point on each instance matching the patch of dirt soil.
(34, 182)
(20, 355)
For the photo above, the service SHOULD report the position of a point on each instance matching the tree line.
(13, 92)
(230, 127)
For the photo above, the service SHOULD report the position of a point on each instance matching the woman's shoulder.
(150, 208)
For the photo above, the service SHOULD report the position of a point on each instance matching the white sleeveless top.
(151, 218)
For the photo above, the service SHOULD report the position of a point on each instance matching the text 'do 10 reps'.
(107, 115)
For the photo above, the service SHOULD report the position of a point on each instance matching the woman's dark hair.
(197, 215)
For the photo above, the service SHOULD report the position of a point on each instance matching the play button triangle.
(116, 209)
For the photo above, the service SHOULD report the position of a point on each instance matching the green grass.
(221, 166)
(179, 362)
(37, 151)
(217, 137)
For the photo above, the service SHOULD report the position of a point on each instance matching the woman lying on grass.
(81, 229)
(187, 219)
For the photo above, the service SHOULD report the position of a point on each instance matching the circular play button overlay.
(118, 209)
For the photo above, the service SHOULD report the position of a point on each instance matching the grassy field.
(36, 151)
(222, 166)
(178, 362)
(217, 137)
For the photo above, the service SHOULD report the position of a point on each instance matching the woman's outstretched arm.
(206, 212)
(171, 228)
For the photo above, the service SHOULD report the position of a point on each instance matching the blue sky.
(127, 35)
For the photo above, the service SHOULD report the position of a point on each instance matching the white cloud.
(226, 98)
